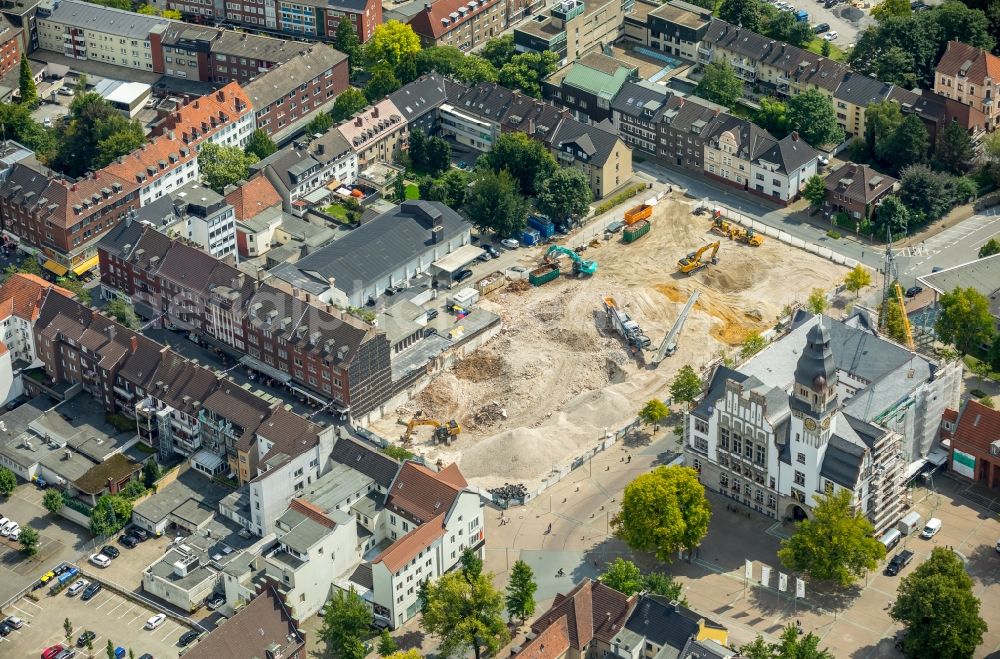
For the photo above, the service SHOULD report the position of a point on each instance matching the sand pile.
(479, 367)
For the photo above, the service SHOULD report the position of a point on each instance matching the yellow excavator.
(694, 261)
(721, 227)
(748, 236)
(443, 431)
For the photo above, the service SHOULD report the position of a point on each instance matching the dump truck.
(637, 213)
(636, 231)
(695, 261)
(627, 328)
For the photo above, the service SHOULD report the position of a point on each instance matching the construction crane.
(906, 320)
(443, 432)
(627, 328)
(669, 345)
(693, 261)
(580, 266)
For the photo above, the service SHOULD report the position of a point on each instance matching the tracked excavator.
(443, 431)
(580, 265)
(696, 260)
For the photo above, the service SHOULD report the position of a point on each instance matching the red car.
(50, 653)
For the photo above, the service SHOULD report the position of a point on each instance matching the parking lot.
(107, 614)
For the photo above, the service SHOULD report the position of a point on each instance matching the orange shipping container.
(640, 212)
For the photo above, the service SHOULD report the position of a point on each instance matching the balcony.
(704, 55)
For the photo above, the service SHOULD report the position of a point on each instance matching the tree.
(8, 481)
(146, 9)
(811, 114)
(752, 344)
(443, 59)
(624, 576)
(150, 472)
(18, 125)
(663, 511)
(881, 120)
(825, 48)
(262, 146)
(891, 217)
(565, 193)
(793, 645)
(758, 648)
(90, 648)
(909, 143)
(720, 84)
(351, 101)
(525, 71)
(223, 165)
(387, 644)
(784, 27)
(110, 515)
(27, 92)
(527, 160)
(939, 609)
(75, 286)
(318, 125)
(464, 611)
(345, 624)
(121, 141)
(393, 47)
(772, 116)
(52, 500)
(474, 70)
(123, 312)
(815, 190)
(964, 319)
(382, 83)
(93, 135)
(748, 14)
(430, 155)
(888, 8)
(686, 386)
(172, 14)
(499, 50)
(110, 649)
(133, 490)
(837, 544)
(405, 654)
(399, 188)
(346, 40)
(658, 583)
(68, 628)
(991, 247)
(891, 316)
(654, 411)
(521, 589)
(29, 541)
(954, 149)
(817, 302)
(858, 278)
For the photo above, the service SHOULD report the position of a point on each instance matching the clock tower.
(814, 399)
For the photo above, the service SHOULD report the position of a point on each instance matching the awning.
(458, 259)
(56, 268)
(89, 264)
(269, 371)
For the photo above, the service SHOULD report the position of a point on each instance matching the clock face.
(826, 422)
(810, 424)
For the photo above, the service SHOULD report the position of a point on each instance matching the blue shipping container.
(544, 226)
(530, 237)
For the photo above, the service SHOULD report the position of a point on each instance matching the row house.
(224, 117)
(285, 98)
(22, 16)
(463, 24)
(573, 28)
(972, 76)
(674, 28)
(587, 86)
(376, 134)
(304, 167)
(10, 46)
(323, 355)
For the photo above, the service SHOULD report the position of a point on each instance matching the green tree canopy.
(123, 312)
(720, 84)
(748, 14)
(261, 145)
(909, 143)
(653, 412)
(110, 515)
(837, 544)
(791, 645)
(891, 217)
(811, 114)
(351, 101)
(815, 190)
(52, 500)
(345, 625)
(94, 135)
(150, 472)
(464, 610)
(784, 27)
(964, 319)
(382, 83)
(393, 47)
(686, 386)
(565, 193)
(772, 116)
(521, 589)
(527, 160)
(18, 125)
(494, 204)
(387, 644)
(752, 344)
(446, 60)
(223, 165)
(29, 541)
(8, 481)
(939, 609)
(525, 71)
(624, 576)
(318, 125)
(474, 70)
(346, 40)
(891, 319)
(663, 511)
(991, 247)
(817, 302)
(882, 118)
(499, 50)
(857, 279)
(27, 92)
(888, 8)
(954, 149)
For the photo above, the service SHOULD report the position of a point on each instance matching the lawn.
(836, 53)
(337, 211)
(412, 191)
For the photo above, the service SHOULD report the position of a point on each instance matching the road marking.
(120, 604)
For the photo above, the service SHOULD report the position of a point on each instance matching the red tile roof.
(550, 644)
(199, 118)
(312, 512)
(422, 494)
(592, 610)
(975, 64)
(151, 161)
(252, 197)
(978, 427)
(68, 203)
(22, 294)
(398, 554)
(438, 20)
(950, 415)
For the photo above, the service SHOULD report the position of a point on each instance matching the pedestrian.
(630, 458)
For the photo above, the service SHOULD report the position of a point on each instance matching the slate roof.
(752, 141)
(592, 610)
(378, 466)
(596, 142)
(635, 98)
(842, 461)
(861, 90)
(230, 42)
(859, 183)
(251, 631)
(716, 389)
(975, 64)
(419, 97)
(310, 63)
(789, 154)
(381, 245)
(668, 625)
(89, 16)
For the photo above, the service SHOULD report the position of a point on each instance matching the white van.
(933, 526)
(910, 523)
(891, 538)
(77, 586)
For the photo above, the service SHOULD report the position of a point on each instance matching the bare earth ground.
(557, 379)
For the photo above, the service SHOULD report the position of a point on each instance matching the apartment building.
(857, 190)
(674, 28)
(304, 167)
(730, 149)
(376, 134)
(85, 31)
(288, 96)
(802, 419)
(224, 117)
(600, 154)
(463, 24)
(972, 76)
(10, 46)
(573, 28)
(159, 167)
(781, 171)
(587, 86)
(21, 15)
(364, 15)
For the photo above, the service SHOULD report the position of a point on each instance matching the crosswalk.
(970, 235)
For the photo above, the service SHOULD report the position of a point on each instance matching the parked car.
(831, 36)
(510, 243)
(484, 257)
(491, 250)
(898, 562)
(119, 652)
(156, 621)
(47, 122)
(100, 560)
(62, 568)
(138, 533)
(914, 291)
(5, 629)
(110, 552)
(68, 653)
(64, 91)
(128, 541)
(188, 638)
(84, 637)
(936, 268)
(14, 622)
(90, 591)
(77, 586)
(614, 227)
(432, 314)
(821, 28)
(7, 527)
(51, 652)
(15, 535)
(4, 521)
(462, 275)
(931, 528)
(146, 656)
(216, 603)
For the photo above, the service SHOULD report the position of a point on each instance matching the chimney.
(331, 281)
(73, 187)
(135, 343)
(375, 112)
(437, 235)
(97, 174)
(795, 136)
(358, 121)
